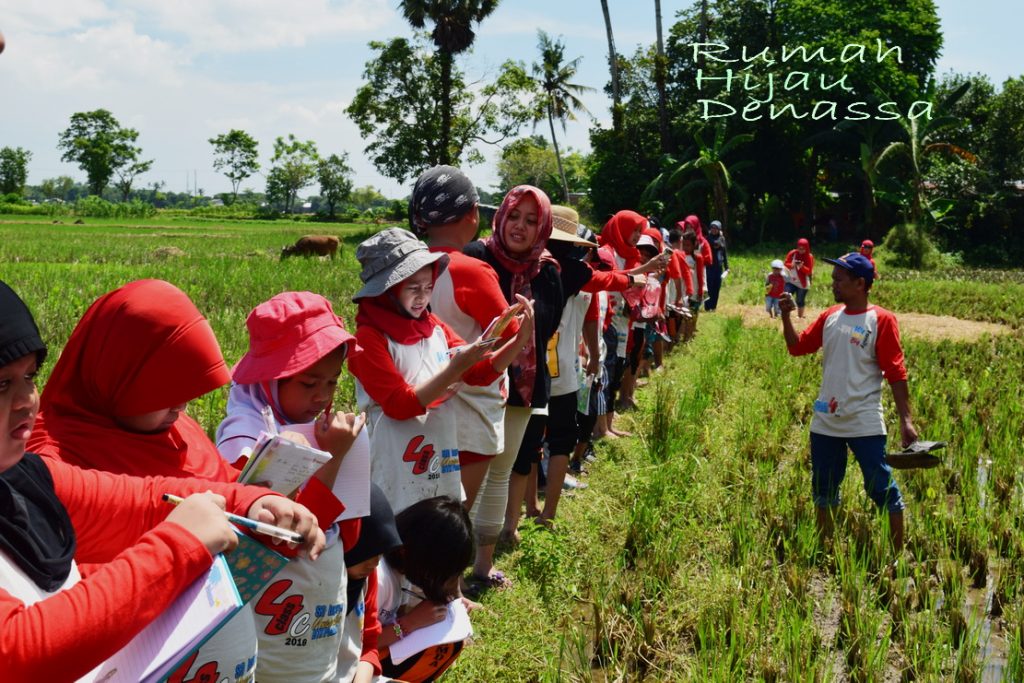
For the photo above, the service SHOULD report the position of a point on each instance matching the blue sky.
(183, 72)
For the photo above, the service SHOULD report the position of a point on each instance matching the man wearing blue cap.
(860, 345)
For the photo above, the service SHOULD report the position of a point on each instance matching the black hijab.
(35, 530)
(377, 535)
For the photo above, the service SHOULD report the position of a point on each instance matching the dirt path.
(919, 325)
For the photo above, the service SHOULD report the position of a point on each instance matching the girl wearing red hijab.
(800, 266)
(618, 240)
(116, 402)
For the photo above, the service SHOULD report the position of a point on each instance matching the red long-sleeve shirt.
(66, 635)
(376, 371)
(806, 265)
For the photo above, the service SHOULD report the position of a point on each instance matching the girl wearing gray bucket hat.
(411, 364)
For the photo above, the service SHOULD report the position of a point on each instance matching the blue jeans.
(828, 468)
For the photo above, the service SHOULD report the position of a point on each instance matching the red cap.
(867, 244)
(288, 334)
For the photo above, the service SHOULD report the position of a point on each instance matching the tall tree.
(397, 113)
(126, 162)
(559, 96)
(613, 64)
(335, 178)
(235, 154)
(920, 138)
(660, 69)
(294, 166)
(452, 34)
(13, 169)
(99, 145)
(57, 188)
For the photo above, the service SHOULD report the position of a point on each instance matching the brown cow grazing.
(312, 245)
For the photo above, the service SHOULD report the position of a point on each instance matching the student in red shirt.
(867, 249)
(58, 623)
(133, 362)
(444, 211)
(774, 286)
(800, 266)
(409, 363)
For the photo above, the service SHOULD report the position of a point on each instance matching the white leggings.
(488, 511)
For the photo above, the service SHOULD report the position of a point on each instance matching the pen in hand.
(251, 524)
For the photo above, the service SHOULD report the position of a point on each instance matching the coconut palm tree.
(559, 96)
(660, 67)
(452, 34)
(613, 63)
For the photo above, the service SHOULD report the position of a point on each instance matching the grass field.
(692, 556)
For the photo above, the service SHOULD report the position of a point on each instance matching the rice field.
(692, 556)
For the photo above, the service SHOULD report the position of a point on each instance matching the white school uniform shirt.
(299, 619)
(856, 349)
(564, 346)
(351, 649)
(602, 314)
(418, 458)
(479, 411)
(620, 318)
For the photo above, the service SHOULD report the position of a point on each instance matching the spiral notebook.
(188, 621)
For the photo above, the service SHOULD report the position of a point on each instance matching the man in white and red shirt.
(860, 345)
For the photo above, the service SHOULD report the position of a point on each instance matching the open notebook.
(281, 464)
(453, 628)
(198, 612)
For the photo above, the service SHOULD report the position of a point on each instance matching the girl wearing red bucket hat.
(297, 347)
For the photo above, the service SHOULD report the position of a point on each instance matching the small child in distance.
(774, 284)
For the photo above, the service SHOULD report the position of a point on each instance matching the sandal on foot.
(496, 581)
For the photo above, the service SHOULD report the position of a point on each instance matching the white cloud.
(49, 16)
(247, 25)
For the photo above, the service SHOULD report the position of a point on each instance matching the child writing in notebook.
(297, 346)
(415, 583)
(409, 363)
(116, 402)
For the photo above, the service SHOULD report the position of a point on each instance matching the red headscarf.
(523, 268)
(141, 348)
(617, 230)
(692, 222)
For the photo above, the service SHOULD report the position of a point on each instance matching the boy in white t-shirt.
(860, 345)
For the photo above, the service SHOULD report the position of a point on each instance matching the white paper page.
(453, 628)
(284, 465)
(352, 485)
(201, 608)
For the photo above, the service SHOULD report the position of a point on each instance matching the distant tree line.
(108, 154)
